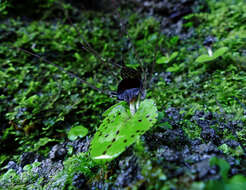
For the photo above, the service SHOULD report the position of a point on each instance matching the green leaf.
(167, 59)
(173, 56)
(162, 60)
(42, 142)
(237, 182)
(174, 68)
(120, 129)
(223, 165)
(207, 58)
(204, 58)
(77, 131)
(220, 52)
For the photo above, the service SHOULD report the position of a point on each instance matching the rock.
(201, 169)
(80, 145)
(129, 172)
(205, 148)
(14, 166)
(168, 154)
(58, 152)
(79, 181)
(28, 158)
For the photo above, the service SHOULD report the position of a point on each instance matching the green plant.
(237, 182)
(27, 179)
(120, 129)
(206, 58)
(3, 7)
(77, 131)
(80, 163)
(167, 58)
(238, 151)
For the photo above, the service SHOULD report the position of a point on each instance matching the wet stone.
(28, 158)
(201, 169)
(80, 145)
(232, 161)
(48, 168)
(192, 158)
(209, 135)
(195, 142)
(231, 143)
(79, 181)
(58, 152)
(174, 138)
(205, 148)
(173, 117)
(168, 154)
(166, 76)
(234, 171)
(14, 166)
(129, 172)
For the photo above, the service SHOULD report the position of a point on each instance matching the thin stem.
(67, 72)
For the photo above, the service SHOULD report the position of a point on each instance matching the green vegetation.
(42, 106)
(237, 182)
(77, 132)
(206, 58)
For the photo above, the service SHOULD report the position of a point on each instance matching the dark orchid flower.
(130, 88)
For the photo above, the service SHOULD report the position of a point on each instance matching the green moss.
(39, 103)
(80, 163)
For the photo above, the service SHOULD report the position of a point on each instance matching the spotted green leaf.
(120, 129)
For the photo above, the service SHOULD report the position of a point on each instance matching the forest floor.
(199, 138)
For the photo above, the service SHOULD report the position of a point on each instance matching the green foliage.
(120, 129)
(238, 151)
(37, 9)
(145, 38)
(80, 163)
(42, 145)
(39, 103)
(37, 99)
(77, 131)
(206, 58)
(28, 179)
(237, 182)
(3, 7)
(167, 59)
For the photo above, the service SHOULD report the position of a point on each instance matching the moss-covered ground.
(199, 140)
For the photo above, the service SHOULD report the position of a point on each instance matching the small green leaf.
(42, 142)
(174, 68)
(167, 59)
(77, 56)
(223, 165)
(173, 56)
(204, 58)
(237, 182)
(77, 131)
(207, 58)
(162, 60)
(220, 52)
